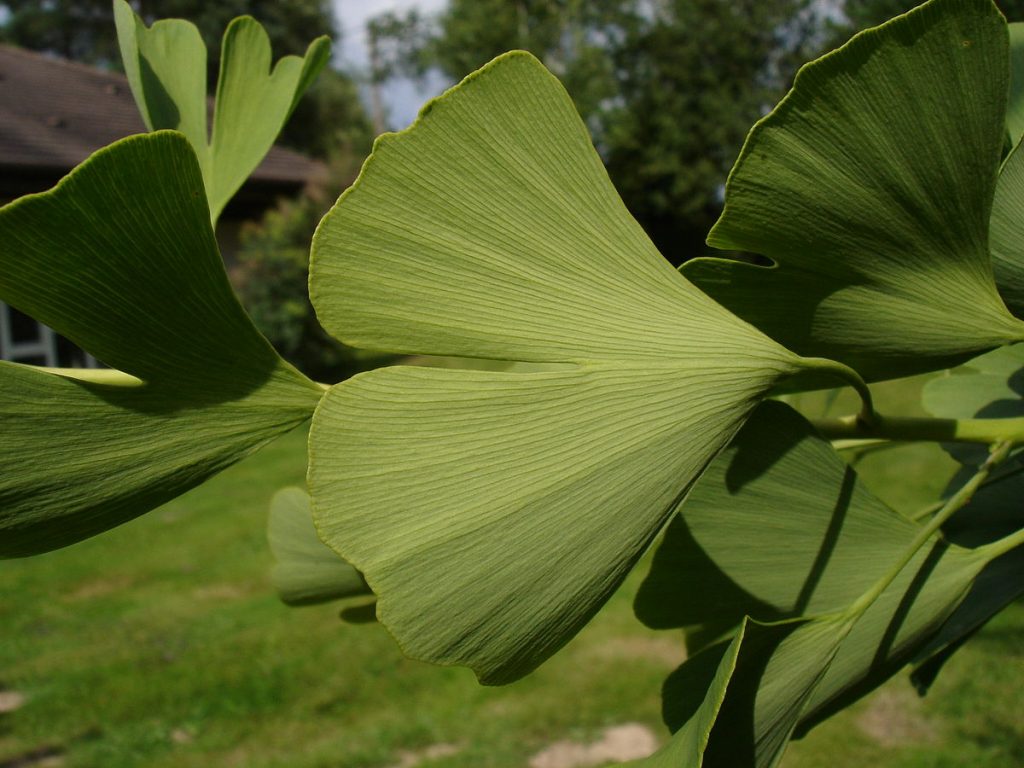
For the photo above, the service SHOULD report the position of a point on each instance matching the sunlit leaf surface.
(870, 187)
(779, 528)
(120, 258)
(494, 512)
(1006, 231)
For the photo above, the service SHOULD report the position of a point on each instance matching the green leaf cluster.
(129, 270)
(605, 401)
(166, 69)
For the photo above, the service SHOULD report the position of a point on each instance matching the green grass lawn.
(161, 644)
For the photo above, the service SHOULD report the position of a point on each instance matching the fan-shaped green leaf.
(701, 687)
(307, 570)
(166, 68)
(990, 386)
(999, 585)
(1015, 109)
(517, 501)
(785, 524)
(1006, 231)
(120, 258)
(790, 532)
(870, 186)
(254, 101)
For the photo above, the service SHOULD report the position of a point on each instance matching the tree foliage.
(668, 89)
(271, 275)
(690, 83)
(859, 14)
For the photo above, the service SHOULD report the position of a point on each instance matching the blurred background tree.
(668, 88)
(271, 276)
(868, 13)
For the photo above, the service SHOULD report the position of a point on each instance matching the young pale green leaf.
(166, 68)
(120, 258)
(870, 187)
(254, 101)
(790, 532)
(516, 501)
(1006, 231)
(307, 570)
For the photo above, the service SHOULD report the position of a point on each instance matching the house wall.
(23, 340)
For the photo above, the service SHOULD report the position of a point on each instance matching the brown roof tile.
(54, 113)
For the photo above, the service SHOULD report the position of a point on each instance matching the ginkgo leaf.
(166, 69)
(701, 687)
(121, 259)
(789, 674)
(998, 586)
(784, 520)
(791, 531)
(1006, 231)
(307, 570)
(870, 187)
(515, 501)
(254, 101)
(1015, 108)
(989, 387)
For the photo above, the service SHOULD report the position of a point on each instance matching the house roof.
(54, 113)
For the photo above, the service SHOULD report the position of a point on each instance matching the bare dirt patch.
(894, 718)
(669, 652)
(619, 743)
(433, 752)
(99, 588)
(10, 701)
(222, 592)
(43, 757)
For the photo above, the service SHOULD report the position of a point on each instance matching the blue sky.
(402, 98)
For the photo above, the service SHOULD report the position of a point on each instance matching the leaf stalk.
(955, 503)
(915, 429)
(852, 378)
